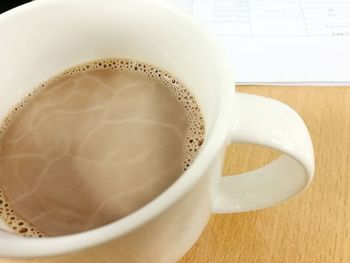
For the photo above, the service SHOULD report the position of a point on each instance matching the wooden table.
(311, 228)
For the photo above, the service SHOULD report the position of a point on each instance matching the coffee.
(93, 144)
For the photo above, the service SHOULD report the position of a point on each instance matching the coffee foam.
(17, 224)
(194, 134)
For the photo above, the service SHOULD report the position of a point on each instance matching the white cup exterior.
(44, 37)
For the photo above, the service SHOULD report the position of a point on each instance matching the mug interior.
(42, 38)
(39, 41)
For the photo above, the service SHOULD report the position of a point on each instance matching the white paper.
(280, 41)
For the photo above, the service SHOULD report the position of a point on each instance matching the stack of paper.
(280, 41)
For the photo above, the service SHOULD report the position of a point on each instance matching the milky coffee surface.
(93, 144)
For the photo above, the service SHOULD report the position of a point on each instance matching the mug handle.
(267, 122)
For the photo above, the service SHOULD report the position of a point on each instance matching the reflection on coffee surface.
(93, 144)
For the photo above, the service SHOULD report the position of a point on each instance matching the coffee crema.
(93, 144)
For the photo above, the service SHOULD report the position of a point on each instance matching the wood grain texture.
(311, 228)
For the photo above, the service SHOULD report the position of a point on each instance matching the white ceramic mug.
(44, 37)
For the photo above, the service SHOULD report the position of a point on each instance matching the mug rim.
(23, 246)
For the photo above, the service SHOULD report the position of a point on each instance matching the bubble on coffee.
(93, 144)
